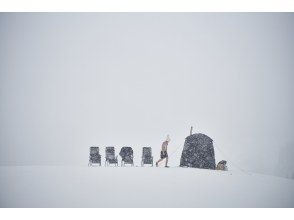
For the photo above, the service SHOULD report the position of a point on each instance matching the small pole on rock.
(191, 130)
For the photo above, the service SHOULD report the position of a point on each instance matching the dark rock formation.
(198, 152)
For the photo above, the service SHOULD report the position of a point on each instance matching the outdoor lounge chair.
(147, 157)
(110, 157)
(94, 157)
(127, 156)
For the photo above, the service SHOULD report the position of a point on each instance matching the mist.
(72, 80)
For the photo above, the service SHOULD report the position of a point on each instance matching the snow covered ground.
(66, 186)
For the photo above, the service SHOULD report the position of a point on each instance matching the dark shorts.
(163, 154)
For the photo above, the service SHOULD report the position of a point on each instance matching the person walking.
(163, 152)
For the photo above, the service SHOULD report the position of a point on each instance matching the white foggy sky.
(72, 80)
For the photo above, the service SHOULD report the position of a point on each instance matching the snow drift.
(61, 186)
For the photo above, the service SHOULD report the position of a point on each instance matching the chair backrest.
(126, 151)
(109, 152)
(94, 150)
(147, 152)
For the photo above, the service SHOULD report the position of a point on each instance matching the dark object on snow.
(222, 162)
(198, 152)
(127, 156)
(95, 157)
(147, 157)
(222, 165)
(110, 157)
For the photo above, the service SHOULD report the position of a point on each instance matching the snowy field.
(61, 186)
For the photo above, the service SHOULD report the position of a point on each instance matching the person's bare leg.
(158, 161)
(166, 161)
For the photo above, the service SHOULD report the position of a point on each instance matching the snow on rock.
(61, 186)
